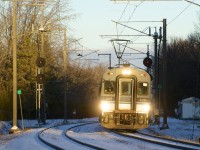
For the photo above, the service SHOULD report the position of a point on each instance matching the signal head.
(147, 62)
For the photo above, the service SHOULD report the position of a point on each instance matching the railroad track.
(171, 143)
(89, 135)
(150, 139)
(61, 136)
(47, 142)
(79, 141)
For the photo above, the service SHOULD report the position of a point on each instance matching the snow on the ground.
(106, 139)
(179, 129)
(4, 127)
(188, 130)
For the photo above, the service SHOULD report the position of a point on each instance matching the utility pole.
(164, 88)
(65, 64)
(65, 75)
(14, 45)
(148, 69)
(155, 79)
(41, 116)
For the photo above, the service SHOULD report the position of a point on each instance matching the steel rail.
(172, 143)
(173, 140)
(51, 145)
(45, 141)
(80, 142)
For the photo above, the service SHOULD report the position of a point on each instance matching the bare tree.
(56, 14)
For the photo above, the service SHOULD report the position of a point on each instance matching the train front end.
(125, 98)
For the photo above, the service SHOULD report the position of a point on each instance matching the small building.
(189, 108)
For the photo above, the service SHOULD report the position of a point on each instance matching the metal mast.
(14, 45)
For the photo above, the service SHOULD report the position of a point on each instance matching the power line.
(124, 11)
(131, 28)
(87, 54)
(132, 15)
(122, 15)
(179, 14)
(132, 48)
(192, 2)
(139, 21)
(136, 38)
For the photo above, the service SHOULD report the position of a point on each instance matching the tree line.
(183, 69)
(82, 80)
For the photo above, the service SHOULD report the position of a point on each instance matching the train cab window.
(126, 88)
(109, 87)
(142, 88)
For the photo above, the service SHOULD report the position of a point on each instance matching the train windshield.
(142, 88)
(126, 93)
(126, 88)
(109, 87)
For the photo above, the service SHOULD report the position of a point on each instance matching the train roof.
(122, 68)
(126, 71)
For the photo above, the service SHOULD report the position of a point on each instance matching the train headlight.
(142, 108)
(105, 106)
(126, 72)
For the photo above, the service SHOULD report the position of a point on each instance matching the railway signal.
(147, 62)
(40, 62)
(40, 78)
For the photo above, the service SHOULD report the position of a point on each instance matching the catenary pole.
(14, 46)
(41, 86)
(65, 64)
(65, 75)
(155, 80)
(40, 101)
(165, 124)
(14, 50)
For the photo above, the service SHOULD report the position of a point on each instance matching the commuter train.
(125, 98)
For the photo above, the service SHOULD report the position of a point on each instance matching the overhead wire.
(131, 16)
(122, 15)
(128, 19)
(82, 47)
(180, 13)
(137, 37)
(146, 28)
(124, 10)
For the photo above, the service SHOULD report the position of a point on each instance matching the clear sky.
(95, 19)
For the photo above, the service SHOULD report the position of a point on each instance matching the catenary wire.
(179, 13)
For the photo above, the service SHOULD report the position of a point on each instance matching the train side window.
(142, 88)
(126, 88)
(109, 87)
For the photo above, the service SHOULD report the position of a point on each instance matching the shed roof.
(190, 100)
